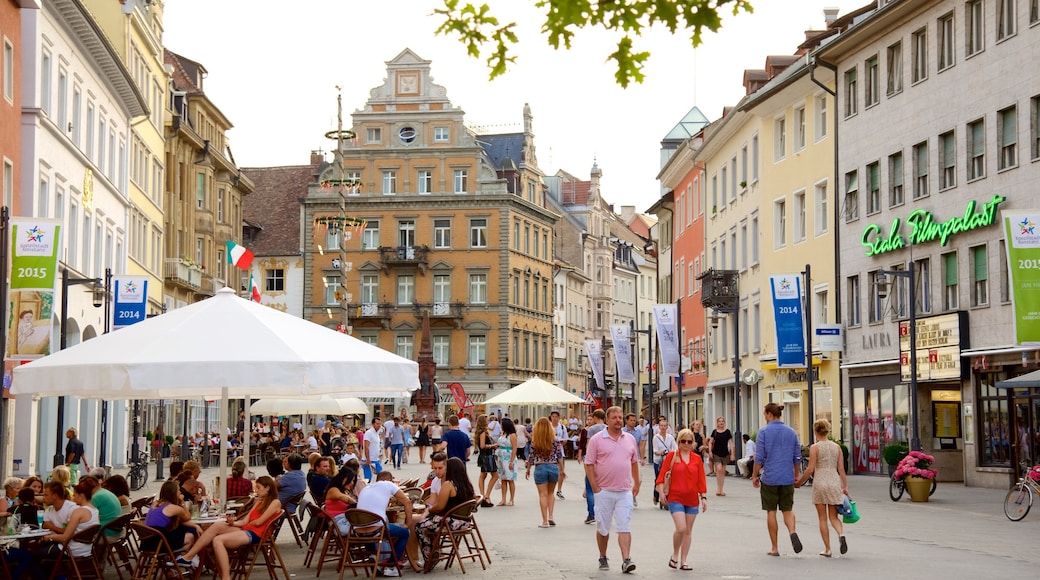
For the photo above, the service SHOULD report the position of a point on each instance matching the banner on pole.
(787, 312)
(1022, 232)
(462, 400)
(621, 336)
(35, 246)
(667, 337)
(131, 301)
(595, 355)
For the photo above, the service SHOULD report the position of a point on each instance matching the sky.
(274, 68)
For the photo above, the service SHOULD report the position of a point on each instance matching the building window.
(478, 233)
(45, 83)
(332, 239)
(948, 160)
(8, 183)
(441, 289)
(820, 207)
(950, 298)
(976, 36)
(876, 304)
(405, 347)
(332, 289)
(89, 143)
(425, 181)
(754, 158)
(993, 422)
(477, 350)
(725, 183)
(895, 179)
(919, 56)
(478, 289)
(853, 301)
(754, 239)
(895, 69)
(1034, 11)
(1034, 127)
(405, 290)
(8, 70)
(980, 276)
(821, 116)
(441, 134)
(274, 280)
(406, 233)
(63, 99)
(77, 104)
(799, 216)
(851, 103)
(370, 236)
(369, 289)
(441, 350)
(220, 205)
(851, 196)
(441, 233)
(1006, 15)
(779, 146)
(389, 182)
(799, 128)
(923, 269)
(732, 182)
(976, 149)
(779, 225)
(374, 135)
(921, 170)
(1007, 124)
(873, 189)
(200, 190)
(872, 90)
(946, 41)
(743, 179)
(461, 180)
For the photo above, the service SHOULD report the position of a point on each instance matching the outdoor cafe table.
(23, 536)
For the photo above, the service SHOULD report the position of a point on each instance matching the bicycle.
(896, 487)
(138, 475)
(1020, 498)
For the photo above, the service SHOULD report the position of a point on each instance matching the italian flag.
(254, 291)
(239, 256)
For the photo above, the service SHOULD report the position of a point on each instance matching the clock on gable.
(407, 83)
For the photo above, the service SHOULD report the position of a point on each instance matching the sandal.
(685, 567)
(543, 525)
(552, 523)
(825, 554)
(672, 563)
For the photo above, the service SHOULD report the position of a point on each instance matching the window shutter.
(980, 259)
(950, 263)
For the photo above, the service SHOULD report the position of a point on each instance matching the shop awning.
(1026, 381)
(872, 363)
(987, 351)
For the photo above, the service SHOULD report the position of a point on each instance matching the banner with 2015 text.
(35, 247)
(1022, 232)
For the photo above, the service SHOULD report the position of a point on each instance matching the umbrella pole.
(185, 441)
(247, 431)
(218, 491)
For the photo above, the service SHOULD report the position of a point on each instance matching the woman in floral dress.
(830, 486)
(507, 460)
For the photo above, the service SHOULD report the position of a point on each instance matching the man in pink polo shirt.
(612, 466)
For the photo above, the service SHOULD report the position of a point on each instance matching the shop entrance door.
(1024, 435)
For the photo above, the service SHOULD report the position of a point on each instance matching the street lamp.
(882, 290)
(721, 294)
(99, 294)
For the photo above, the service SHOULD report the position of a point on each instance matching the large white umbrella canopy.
(224, 342)
(322, 406)
(534, 391)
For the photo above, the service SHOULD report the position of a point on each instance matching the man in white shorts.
(612, 466)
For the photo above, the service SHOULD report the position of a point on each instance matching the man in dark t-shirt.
(458, 441)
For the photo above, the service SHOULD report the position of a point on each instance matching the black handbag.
(488, 462)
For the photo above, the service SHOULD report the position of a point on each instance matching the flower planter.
(918, 488)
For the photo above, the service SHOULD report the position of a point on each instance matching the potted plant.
(166, 447)
(893, 454)
(915, 470)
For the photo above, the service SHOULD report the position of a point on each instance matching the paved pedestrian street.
(960, 533)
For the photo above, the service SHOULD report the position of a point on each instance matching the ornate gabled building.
(417, 214)
(203, 205)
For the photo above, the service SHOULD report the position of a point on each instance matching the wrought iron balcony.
(181, 273)
(371, 313)
(392, 256)
(441, 310)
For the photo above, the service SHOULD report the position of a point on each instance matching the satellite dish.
(750, 377)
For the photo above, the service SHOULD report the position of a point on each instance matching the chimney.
(830, 14)
(317, 157)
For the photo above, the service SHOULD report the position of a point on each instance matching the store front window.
(879, 419)
(994, 424)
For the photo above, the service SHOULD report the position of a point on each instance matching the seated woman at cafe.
(191, 488)
(62, 475)
(117, 484)
(11, 487)
(339, 497)
(249, 529)
(34, 483)
(238, 485)
(169, 516)
(455, 490)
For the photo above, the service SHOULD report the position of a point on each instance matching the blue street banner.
(1022, 232)
(131, 301)
(787, 312)
(667, 337)
(35, 246)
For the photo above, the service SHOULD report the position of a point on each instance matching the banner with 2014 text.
(787, 312)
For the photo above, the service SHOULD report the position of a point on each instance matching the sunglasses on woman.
(686, 441)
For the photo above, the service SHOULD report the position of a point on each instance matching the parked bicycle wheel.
(895, 488)
(138, 476)
(1018, 501)
(935, 483)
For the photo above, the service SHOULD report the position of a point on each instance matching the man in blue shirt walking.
(778, 464)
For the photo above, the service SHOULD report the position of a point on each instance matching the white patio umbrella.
(322, 406)
(534, 391)
(224, 347)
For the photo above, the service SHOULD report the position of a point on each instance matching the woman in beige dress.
(830, 486)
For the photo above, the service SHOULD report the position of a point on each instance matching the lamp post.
(103, 456)
(882, 289)
(635, 369)
(720, 292)
(98, 291)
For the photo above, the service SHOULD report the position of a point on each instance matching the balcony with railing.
(395, 256)
(183, 273)
(209, 285)
(371, 314)
(450, 311)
